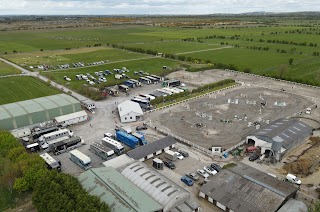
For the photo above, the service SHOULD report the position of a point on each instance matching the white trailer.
(113, 144)
(44, 139)
(51, 162)
(170, 155)
(170, 90)
(70, 119)
(80, 159)
(136, 82)
(164, 91)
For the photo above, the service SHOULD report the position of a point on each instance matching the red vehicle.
(251, 149)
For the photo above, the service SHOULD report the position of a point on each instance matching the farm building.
(277, 137)
(118, 161)
(171, 196)
(152, 149)
(129, 111)
(118, 192)
(246, 189)
(72, 118)
(34, 111)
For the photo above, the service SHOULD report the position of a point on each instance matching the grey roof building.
(279, 136)
(245, 189)
(167, 193)
(293, 205)
(155, 148)
(119, 193)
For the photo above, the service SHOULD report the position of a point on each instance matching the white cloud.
(105, 7)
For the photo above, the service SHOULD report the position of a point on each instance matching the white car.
(67, 78)
(91, 83)
(202, 173)
(179, 156)
(210, 170)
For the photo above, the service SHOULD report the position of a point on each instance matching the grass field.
(86, 55)
(6, 69)
(152, 66)
(16, 89)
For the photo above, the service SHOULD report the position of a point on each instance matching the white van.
(308, 111)
(293, 179)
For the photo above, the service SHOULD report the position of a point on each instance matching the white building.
(72, 118)
(129, 111)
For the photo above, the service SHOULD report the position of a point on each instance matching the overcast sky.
(111, 7)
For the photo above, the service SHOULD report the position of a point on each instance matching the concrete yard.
(211, 120)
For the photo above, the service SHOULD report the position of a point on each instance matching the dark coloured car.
(253, 157)
(169, 164)
(143, 127)
(183, 153)
(215, 167)
(187, 180)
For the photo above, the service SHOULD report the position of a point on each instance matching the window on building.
(130, 117)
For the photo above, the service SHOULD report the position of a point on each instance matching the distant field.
(6, 69)
(86, 55)
(152, 66)
(14, 89)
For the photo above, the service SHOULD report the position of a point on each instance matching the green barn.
(34, 111)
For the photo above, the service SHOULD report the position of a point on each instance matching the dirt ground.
(307, 161)
(224, 118)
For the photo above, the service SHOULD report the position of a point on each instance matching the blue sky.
(111, 7)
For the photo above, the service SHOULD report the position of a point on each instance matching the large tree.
(61, 192)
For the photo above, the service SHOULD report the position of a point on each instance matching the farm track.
(205, 50)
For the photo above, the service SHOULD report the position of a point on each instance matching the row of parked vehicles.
(189, 177)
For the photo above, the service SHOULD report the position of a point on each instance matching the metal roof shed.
(114, 189)
(6, 121)
(21, 117)
(152, 148)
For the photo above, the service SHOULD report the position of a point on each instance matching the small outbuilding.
(72, 118)
(152, 149)
(129, 111)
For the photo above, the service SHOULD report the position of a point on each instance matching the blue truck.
(140, 137)
(127, 139)
(130, 84)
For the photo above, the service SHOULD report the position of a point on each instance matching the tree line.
(51, 191)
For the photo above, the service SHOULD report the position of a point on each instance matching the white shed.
(72, 118)
(129, 111)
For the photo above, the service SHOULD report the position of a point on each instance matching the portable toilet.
(157, 163)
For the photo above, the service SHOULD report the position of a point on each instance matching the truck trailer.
(170, 155)
(114, 145)
(127, 139)
(102, 151)
(65, 145)
(51, 162)
(140, 137)
(80, 159)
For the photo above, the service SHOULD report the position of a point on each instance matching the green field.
(86, 55)
(152, 66)
(16, 89)
(6, 69)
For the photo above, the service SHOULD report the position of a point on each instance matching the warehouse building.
(246, 189)
(129, 111)
(34, 111)
(279, 136)
(152, 149)
(171, 196)
(118, 192)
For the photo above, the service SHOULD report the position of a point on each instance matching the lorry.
(51, 162)
(140, 137)
(65, 145)
(127, 139)
(80, 159)
(170, 155)
(112, 144)
(102, 151)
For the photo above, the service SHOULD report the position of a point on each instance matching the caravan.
(80, 159)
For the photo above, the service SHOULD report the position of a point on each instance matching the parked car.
(215, 167)
(202, 173)
(109, 135)
(193, 176)
(66, 78)
(183, 153)
(179, 156)
(187, 180)
(143, 127)
(210, 170)
(253, 157)
(169, 164)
